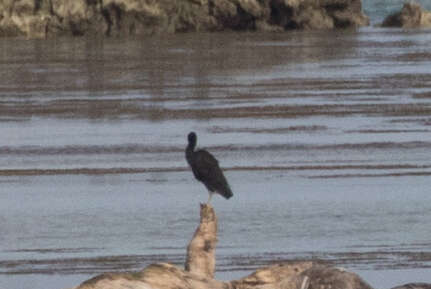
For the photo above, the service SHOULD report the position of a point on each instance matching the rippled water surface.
(325, 138)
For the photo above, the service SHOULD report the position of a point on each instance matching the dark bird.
(206, 169)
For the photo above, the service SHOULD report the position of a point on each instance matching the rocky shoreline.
(48, 18)
(124, 18)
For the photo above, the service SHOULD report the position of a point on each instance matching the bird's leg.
(210, 196)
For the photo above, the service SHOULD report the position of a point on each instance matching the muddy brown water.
(324, 137)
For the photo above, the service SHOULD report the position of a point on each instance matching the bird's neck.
(189, 152)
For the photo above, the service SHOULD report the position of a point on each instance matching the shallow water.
(324, 137)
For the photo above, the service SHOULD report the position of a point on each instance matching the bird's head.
(192, 139)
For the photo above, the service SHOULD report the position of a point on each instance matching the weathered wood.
(200, 267)
(156, 276)
(201, 249)
(280, 276)
(327, 277)
(414, 286)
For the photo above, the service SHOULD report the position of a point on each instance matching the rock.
(412, 15)
(414, 286)
(312, 18)
(122, 18)
(330, 14)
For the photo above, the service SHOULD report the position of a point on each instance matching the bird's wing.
(210, 173)
(205, 164)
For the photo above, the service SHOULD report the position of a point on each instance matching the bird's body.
(206, 169)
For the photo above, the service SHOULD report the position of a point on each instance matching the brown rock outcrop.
(47, 18)
(200, 266)
(412, 15)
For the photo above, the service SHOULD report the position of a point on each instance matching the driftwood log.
(200, 267)
(414, 286)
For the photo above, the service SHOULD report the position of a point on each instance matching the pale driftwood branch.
(200, 267)
(201, 249)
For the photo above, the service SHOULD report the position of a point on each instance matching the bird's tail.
(227, 192)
